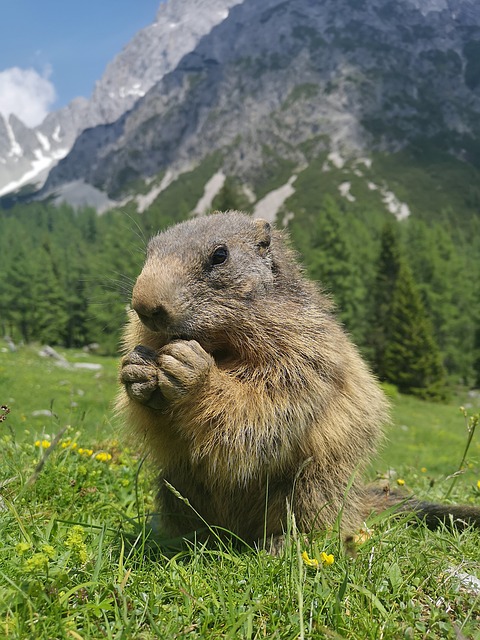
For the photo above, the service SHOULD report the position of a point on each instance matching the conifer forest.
(407, 292)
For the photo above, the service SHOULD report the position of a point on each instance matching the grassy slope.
(30, 383)
(429, 181)
(60, 581)
(425, 445)
(422, 434)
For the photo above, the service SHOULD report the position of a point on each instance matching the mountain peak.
(152, 52)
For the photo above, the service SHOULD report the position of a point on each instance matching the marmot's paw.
(183, 365)
(139, 374)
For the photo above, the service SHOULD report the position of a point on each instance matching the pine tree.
(412, 359)
(48, 300)
(76, 331)
(327, 249)
(229, 197)
(386, 276)
(444, 272)
(476, 355)
(17, 296)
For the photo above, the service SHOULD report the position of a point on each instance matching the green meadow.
(77, 560)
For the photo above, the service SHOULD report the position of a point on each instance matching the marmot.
(245, 388)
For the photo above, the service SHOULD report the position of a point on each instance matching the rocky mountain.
(284, 82)
(26, 154)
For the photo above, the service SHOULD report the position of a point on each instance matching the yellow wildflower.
(68, 444)
(400, 482)
(76, 543)
(21, 547)
(36, 563)
(310, 562)
(327, 558)
(103, 456)
(478, 485)
(85, 452)
(423, 469)
(43, 443)
(48, 550)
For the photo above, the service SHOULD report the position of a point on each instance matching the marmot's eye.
(219, 255)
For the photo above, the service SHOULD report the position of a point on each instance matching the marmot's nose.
(154, 301)
(154, 317)
(157, 314)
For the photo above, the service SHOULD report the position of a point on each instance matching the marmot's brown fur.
(245, 388)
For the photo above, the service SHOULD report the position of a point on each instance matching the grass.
(75, 559)
(429, 435)
(30, 383)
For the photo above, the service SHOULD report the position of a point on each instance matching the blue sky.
(67, 44)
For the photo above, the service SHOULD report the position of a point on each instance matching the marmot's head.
(202, 278)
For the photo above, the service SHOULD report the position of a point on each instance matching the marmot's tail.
(433, 514)
(458, 516)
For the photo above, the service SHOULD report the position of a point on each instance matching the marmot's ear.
(263, 234)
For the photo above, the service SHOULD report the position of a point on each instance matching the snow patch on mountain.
(56, 134)
(336, 159)
(344, 189)
(15, 148)
(43, 140)
(269, 206)
(400, 210)
(38, 167)
(143, 201)
(212, 187)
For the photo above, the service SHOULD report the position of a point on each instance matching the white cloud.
(26, 93)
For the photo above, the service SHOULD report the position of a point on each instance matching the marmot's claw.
(140, 356)
(183, 365)
(139, 374)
